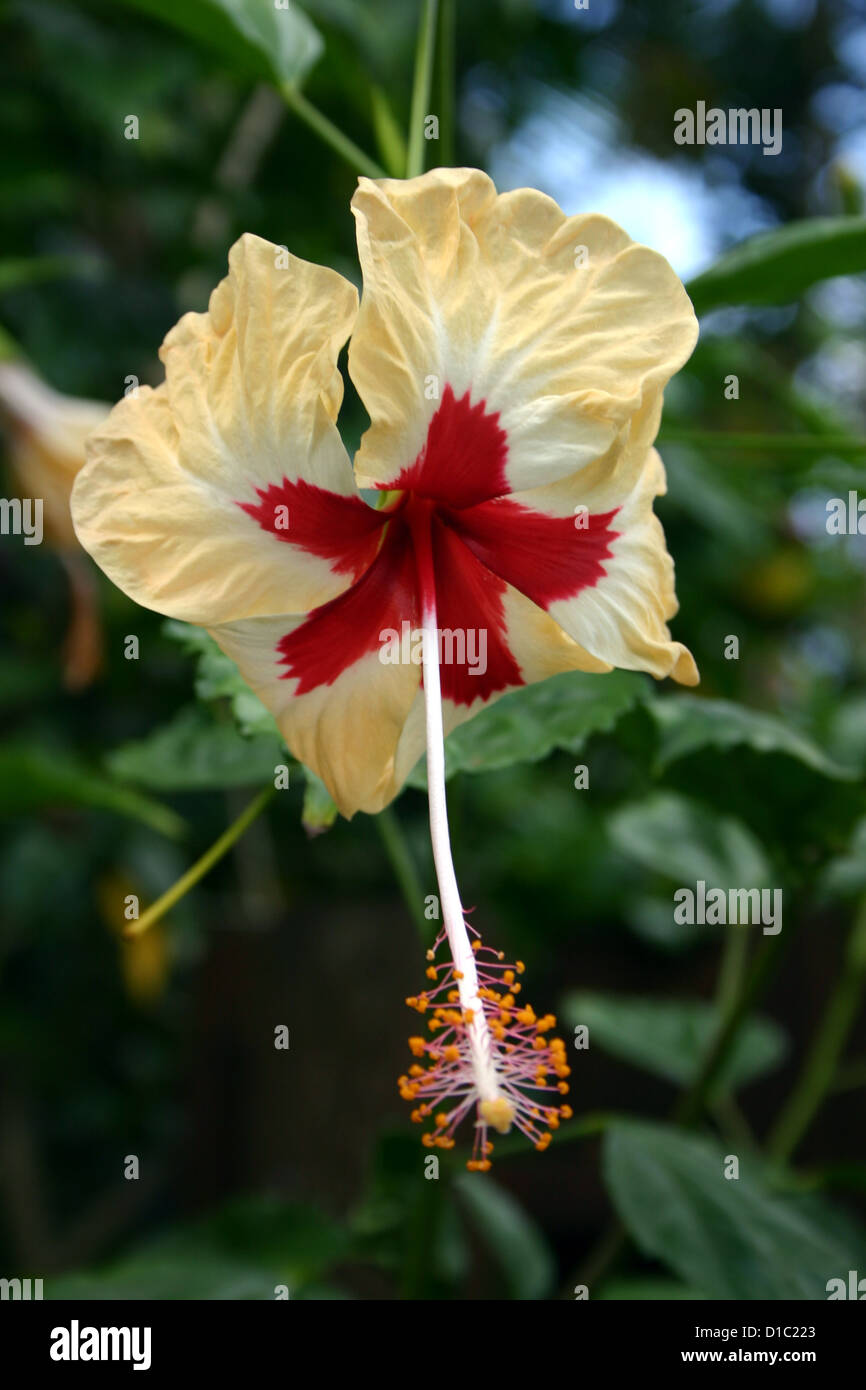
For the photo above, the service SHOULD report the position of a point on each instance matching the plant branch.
(331, 134)
(421, 88)
(202, 866)
(819, 1069)
(692, 1102)
(405, 872)
(447, 68)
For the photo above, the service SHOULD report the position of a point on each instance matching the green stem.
(202, 866)
(601, 1259)
(819, 1070)
(421, 1231)
(692, 1102)
(405, 872)
(850, 1077)
(733, 1123)
(732, 969)
(331, 134)
(447, 67)
(421, 89)
(767, 443)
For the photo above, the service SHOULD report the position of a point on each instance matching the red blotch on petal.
(341, 529)
(469, 596)
(349, 627)
(545, 557)
(464, 456)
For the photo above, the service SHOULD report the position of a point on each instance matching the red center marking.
(341, 529)
(545, 557)
(463, 458)
(481, 542)
(337, 635)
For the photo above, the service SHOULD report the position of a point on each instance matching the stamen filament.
(487, 1053)
(453, 917)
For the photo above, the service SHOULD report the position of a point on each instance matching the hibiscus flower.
(46, 433)
(512, 361)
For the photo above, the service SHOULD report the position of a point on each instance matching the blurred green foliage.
(308, 1177)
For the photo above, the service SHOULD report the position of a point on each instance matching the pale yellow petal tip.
(685, 671)
(450, 176)
(498, 1113)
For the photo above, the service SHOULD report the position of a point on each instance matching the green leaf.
(845, 875)
(650, 917)
(515, 1242)
(405, 1224)
(796, 448)
(526, 725)
(671, 1037)
(729, 1238)
(778, 266)
(170, 1274)
(319, 811)
(683, 839)
(295, 1239)
(15, 272)
(217, 677)
(193, 753)
(716, 356)
(35, 778)
(689, 722)
(242, 1252)
(847, 734)
(712, 499)
(278, 44)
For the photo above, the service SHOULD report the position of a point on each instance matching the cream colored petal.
(46, 432)
(348, 731)
(250, 399)
(561, 325)
(623, 618)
